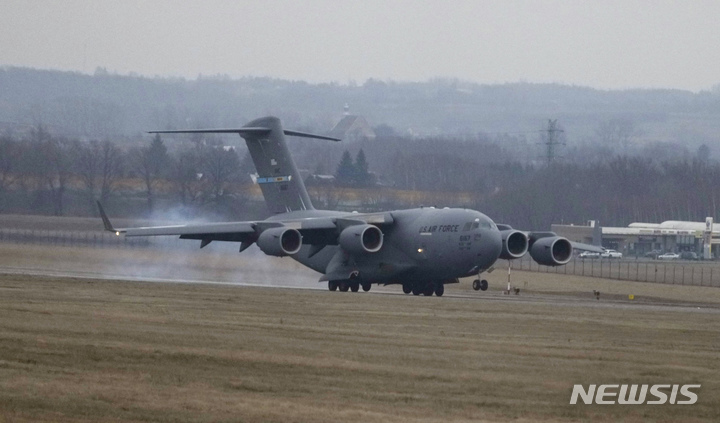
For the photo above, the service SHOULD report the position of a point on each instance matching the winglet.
(106, 221)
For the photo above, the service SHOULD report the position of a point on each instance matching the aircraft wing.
(315, 230)
(586, 247)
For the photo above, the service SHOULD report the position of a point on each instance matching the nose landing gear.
(480, 285)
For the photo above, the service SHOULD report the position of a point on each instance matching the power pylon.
(552, 141)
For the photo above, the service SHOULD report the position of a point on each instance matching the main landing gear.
(480, 285)
(426, 289)
(349, 285)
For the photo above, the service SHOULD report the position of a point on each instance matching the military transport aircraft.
(421, 249)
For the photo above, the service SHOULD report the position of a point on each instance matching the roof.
(351, 124)
(677, 225)
(343, 126)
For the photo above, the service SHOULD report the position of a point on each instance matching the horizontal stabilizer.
(241, 131)
(307, 135)
(258, 131)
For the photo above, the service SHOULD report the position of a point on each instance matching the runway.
(491, 295)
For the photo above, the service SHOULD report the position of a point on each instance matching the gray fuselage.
(422, 245)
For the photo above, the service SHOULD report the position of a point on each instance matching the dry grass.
(91, 350)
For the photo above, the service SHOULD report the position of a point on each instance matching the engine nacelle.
(551, 251)
(280, 241)
(359, 239)
(514, 244)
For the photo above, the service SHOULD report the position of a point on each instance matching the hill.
(107, 105)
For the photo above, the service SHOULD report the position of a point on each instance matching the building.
(352, 128)
(638, 239)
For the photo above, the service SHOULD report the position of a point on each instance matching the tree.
(87, 159)
(703, 153)
(345, 174)
(362, 176)
(617, 133)
(49, 165)
(220, 167)
(111, 169)
(151, 163)
(9, 158)
(384, 131)
(187, 176)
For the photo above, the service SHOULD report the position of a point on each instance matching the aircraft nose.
(494, 242)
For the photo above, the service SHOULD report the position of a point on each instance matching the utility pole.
(552, 140)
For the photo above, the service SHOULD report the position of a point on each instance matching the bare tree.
(187, 176)
(151, 163)
(99, 163)
(617, 133)
(9, 158)
(51, 165)
(220, 168)
(88, 167)
(112, 169)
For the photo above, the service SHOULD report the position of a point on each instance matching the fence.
(674, 272)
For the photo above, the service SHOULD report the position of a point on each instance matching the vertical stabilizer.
(278, 177)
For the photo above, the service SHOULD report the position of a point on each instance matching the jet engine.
(280, 241)
(358, 239)
(514, 244)
(551, 250)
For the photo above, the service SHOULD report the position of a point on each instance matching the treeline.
(616, 191)
(47, 174)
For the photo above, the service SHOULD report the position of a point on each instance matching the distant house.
(315, 180)
(353, 128)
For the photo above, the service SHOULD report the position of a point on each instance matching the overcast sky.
(602, 44)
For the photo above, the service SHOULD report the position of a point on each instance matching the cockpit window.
(467, 226)
(483, 223)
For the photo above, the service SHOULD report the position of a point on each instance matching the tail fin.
(278, 177)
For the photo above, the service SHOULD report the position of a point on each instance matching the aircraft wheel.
(344, 286)
(483, 285)
(439, 289)
(407, 288)
(429, 289)
(476, 284)
(354, 286)
(333, 285)
(366, 286)
(416, 290)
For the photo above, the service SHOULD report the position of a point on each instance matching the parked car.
(653, 254)
(611, 254)
(688, 255)
(669, 256)
(589, 255)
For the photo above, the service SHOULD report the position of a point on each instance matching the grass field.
(101, 350)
